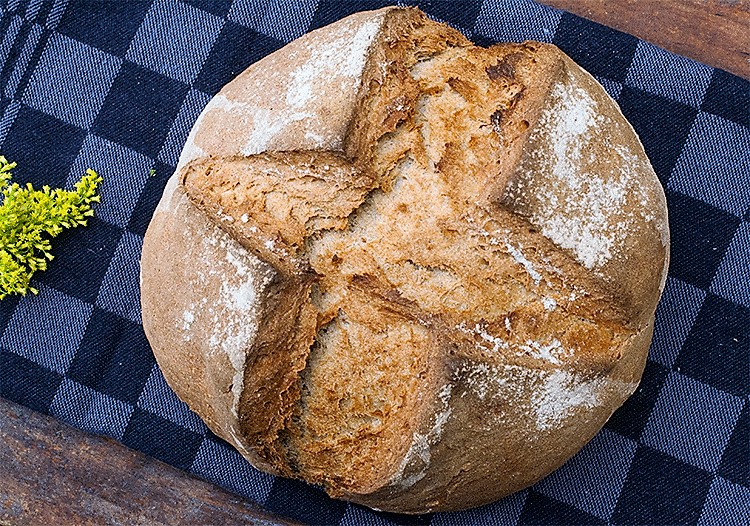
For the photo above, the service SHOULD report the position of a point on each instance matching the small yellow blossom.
(30, 218)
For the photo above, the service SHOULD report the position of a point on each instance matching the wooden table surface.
(54, 474)
(715, 32)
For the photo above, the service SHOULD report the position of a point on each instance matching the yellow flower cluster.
(30, 218)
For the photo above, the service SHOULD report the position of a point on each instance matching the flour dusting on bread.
(572, 121)
(344, 56)
(419, 451)
(560, 393)
(235, 307)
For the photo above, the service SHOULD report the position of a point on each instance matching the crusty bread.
(419, 273)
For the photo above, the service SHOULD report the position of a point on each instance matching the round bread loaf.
(419, 273)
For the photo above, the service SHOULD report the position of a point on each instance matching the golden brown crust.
(277, 356)
(433, 321)
(273, 202)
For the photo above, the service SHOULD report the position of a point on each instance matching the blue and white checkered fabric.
(116, 86)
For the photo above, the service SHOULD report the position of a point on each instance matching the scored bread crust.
(253, 277)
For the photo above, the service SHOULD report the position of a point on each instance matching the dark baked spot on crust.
(503, 69)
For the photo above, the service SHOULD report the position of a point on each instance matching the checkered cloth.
(116, 86)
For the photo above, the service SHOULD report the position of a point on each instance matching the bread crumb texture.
(448, 318)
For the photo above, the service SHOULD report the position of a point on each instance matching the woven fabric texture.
(116, 86)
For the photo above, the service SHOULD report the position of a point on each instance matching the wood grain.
(715, 32)
(51, 473)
